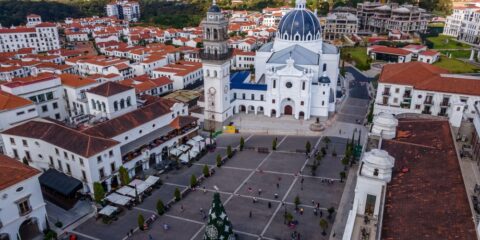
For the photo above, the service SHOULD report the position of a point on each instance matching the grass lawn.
(457, 53)
(359, 56)
(446, 42)
(455, 65)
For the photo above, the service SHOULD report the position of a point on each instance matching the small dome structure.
(377, 163)
(299, 24)
(385, 125)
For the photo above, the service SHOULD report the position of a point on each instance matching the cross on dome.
(299, 4)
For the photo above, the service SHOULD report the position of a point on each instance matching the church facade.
(296, 74)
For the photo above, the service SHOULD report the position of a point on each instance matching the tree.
(124, 177)
(218, 226)
(160, 207)
(324, 226)
(326, 140)
(98, 192)
(324, 8)
(219, 160)
(343, 175)
(242, 143)
(206, 171)
(319, 158)
(330, 210)
(229, 151)
(177, 194)
(308, 147)
(25, 161)
(274, 144)
(345, 162)
(296, 201)
(141, 221)
(193, 181)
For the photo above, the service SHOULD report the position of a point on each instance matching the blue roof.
(237, 81)
(299, 21)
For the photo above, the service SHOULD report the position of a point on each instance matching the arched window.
(207, 33)
(324, 67)
(122, 104)
(323, 103)
(129, 102)
(115, 106)
(208, 73)
(99, 106)
(274, 83)
(303, 85)
(93, 104)
(104, 107)
(297, 37)
(215, 34)
(214, 73)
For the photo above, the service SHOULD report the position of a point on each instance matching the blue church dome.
(299, 24)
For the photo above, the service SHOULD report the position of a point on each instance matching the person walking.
(182, 208)
(269, 205)
(278, 185)
(250, 214)
(259, 191)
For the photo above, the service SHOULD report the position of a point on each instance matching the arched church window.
(208, 33)
(129, 103)
(303, 85)
(122, 104)
(214, 73)
(115, 106)
(215, 34)
(324, 67)
(93, 104)
(274, 83)
(297, 37)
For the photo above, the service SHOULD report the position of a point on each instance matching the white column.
(472, 53)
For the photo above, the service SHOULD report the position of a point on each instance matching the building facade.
(124, 9)
(464, 24)
(41, 36)
(339, 24)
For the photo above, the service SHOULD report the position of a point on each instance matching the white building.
(297, 74)
(124, 9)
(37, 34)
(75, 88)
(339, 24)
(418, 87)
(44, 89)
(111, 99)
(464, 24)
(182, 73)
(23, 214)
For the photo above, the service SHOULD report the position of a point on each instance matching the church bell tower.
(216, 57)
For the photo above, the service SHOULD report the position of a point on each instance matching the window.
(41, 98)
(99, 159)
(112, 166)
(324, 67)
(274, 83)
(102, 173)
(44, 108)
(261, 97)
(51, 160)
(417, 106)
(55, 105)
(81, 161)
(84, 176)
(273, 100)
(110, 153)
(20, 113)
(12, 141)
(375, 172)
(303, 85)
(60, 167)
(57, 116)
(288, 85)
(65, 154)
(69, 171)
(243, 96)
(24, 207)
(15, 153)
(253, 96)
(301, 103)
(397, 90)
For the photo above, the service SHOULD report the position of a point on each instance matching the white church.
(296, 74)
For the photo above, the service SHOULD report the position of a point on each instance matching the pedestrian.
(276, 195)
(250, 214)
(182, 208)
(315, 212)
(318, 205)
(339, 131)
(278, 185)
(254, 199)
(201, 210)
(301, 181)
(259, 191)
(204, 190)
(313, 203)
(301, 211)
(321, 213)
(269, 205)
(165, 226)
(131, 231)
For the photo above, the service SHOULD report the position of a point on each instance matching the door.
(287, 110)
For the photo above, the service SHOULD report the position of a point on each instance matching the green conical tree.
(218, 226)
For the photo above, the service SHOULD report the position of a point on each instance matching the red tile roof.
(108, 89)
(41, 77)
(14, 171)
(429, 53)
(75, 81)
(428, 201)
(389, 50)
(131, 120)
(63, 137)
(425, 76)
(9, 101)
(144, 83)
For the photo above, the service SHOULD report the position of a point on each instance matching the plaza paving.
(238, 181)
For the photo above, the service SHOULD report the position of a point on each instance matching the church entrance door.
(287, 110)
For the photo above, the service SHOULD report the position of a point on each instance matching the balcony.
(428, 101)
(386, 93)
(154, 139)
(445, 104)
(427, 112)
(407, 95)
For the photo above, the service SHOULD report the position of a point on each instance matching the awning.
(126, 191)
(118, 199)
(108, 210)
(151, 180)
(60, 182)
(184, 158)
(198, 138)
(140, 185)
